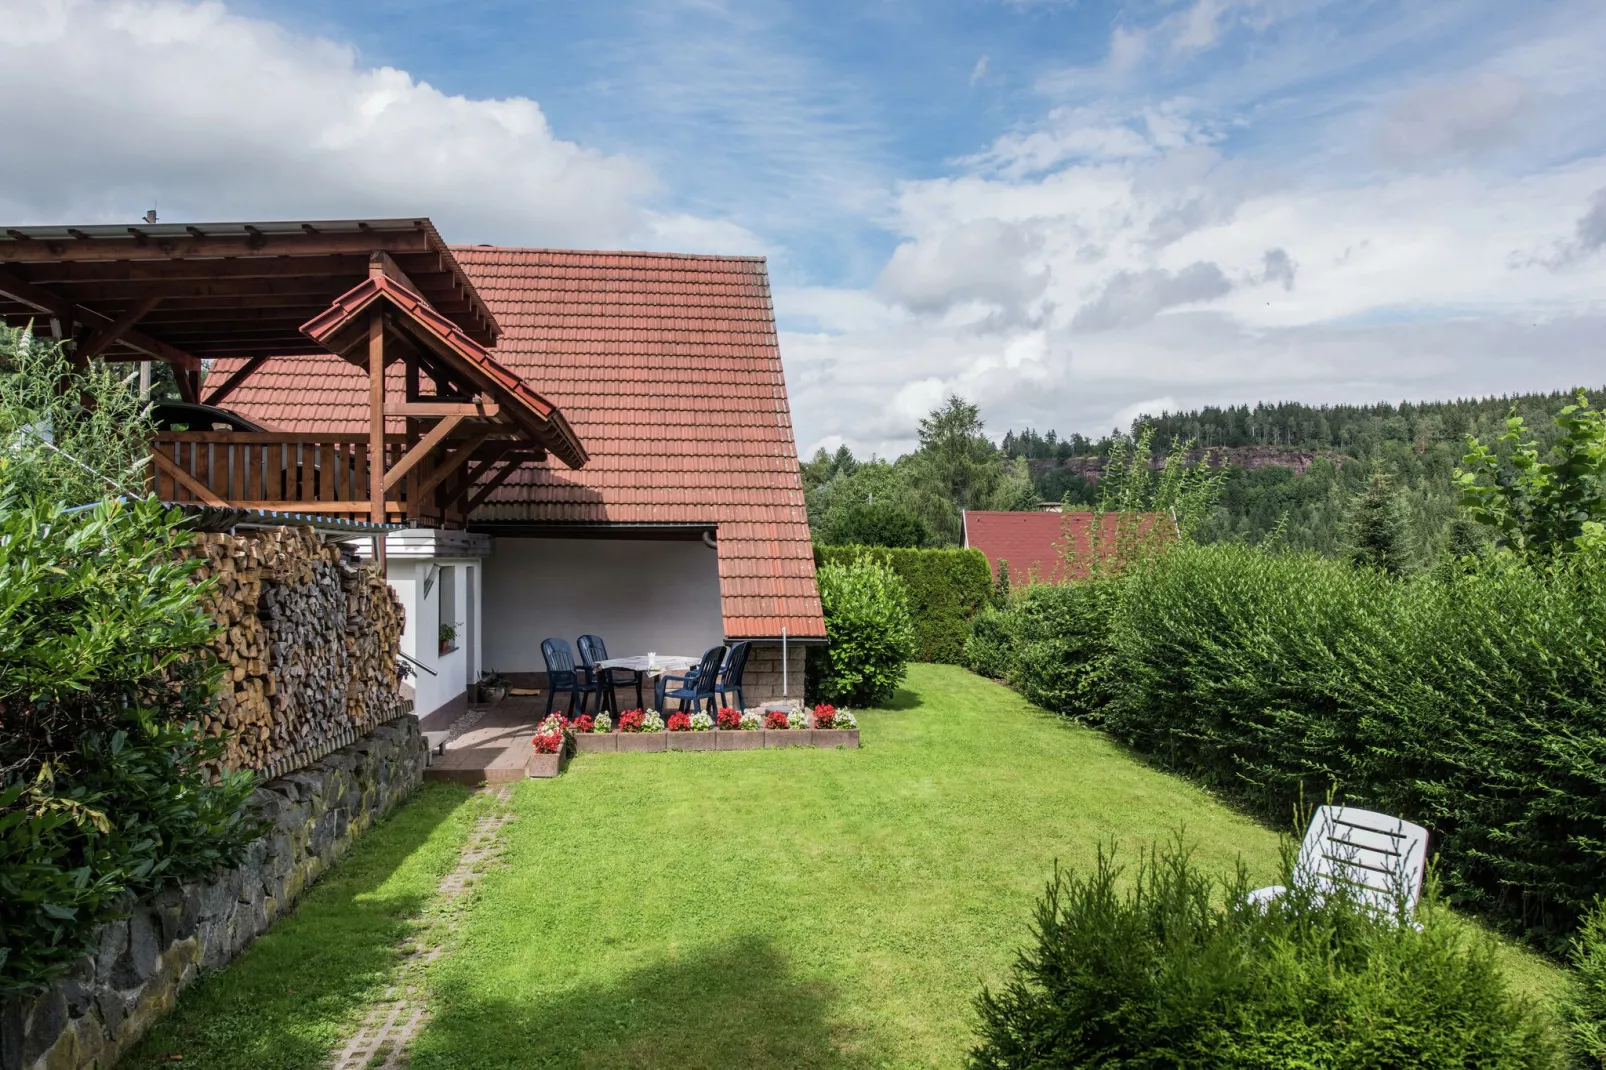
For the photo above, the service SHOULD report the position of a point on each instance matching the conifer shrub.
(1177, 969)
(1585, 1007)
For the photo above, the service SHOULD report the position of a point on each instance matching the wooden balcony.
(293, 473)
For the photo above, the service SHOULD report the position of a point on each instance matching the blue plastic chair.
(730, 677)
(561, 675)
(593, 650)
(699, 685)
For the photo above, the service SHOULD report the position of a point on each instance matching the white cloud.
(1455, 119)
(979, 71)
(214, 115)
(1131, 297)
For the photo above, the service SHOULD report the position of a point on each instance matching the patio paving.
(493, 751)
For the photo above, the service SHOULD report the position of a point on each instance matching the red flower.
(586, 723)
(548, 742)
(678, 722)
(729, 718)
(630, 721)
(775, 719)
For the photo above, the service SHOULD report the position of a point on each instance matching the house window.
(451, 629)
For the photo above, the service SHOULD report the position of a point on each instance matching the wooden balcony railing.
(298, 473)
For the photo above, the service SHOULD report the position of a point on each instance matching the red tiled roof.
(1034, 544)
(669, 370)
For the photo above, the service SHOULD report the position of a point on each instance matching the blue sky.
(1069, 212)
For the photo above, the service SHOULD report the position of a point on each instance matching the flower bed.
(730, 729)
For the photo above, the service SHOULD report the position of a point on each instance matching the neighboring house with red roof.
(1035, 544)
(684, 528)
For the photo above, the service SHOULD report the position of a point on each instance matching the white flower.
(751, 721)
(844, 719)
(701, 722)
(603, 723)
(652, 722)
(797, 719)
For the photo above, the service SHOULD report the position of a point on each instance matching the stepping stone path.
(390, 1025)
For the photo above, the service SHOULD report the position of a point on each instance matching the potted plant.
(493, 687)
(783, 729)
(448, 636)
(641, 730)
(739, 731)
(550, 748)
(592, 734)
(834, 727)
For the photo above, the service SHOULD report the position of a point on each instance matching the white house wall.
(445, 690)
(639, 595)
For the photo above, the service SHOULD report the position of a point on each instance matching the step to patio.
(495, 750)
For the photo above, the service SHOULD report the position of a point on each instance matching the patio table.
(675, 663)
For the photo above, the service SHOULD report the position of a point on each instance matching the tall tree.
(1378, 534)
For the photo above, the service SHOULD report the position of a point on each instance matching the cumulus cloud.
(987, 260)
(1138, 296)
(1589, 236)
(211, 114)
(1454, 119)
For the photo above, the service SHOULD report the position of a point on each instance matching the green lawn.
(791, 908)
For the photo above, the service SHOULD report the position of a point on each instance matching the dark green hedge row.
(1473, 702)
(946, 589)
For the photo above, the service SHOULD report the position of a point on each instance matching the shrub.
(631, 721)
(1161, 976)
(1058, 646)
(868, 636)
(1466, 699)
(945, 589)
(991, 646)
(1585, 1007)
(105, 782)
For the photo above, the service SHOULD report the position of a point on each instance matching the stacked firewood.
(308, 639)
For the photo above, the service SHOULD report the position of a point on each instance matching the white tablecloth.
(674, 663)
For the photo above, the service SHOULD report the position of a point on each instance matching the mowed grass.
(304, 985)
(802, 908)
(754, 909)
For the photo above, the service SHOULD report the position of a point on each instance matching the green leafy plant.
(1535, 505)
(1179, 969)
(1585, 1006)
(1379, 536)
(108, 785)
(448, 635)
(945, 589)
(869, 636)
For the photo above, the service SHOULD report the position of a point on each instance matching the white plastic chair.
(1378, 858)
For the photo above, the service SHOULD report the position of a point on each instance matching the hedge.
(1473, 702)
(946, 589)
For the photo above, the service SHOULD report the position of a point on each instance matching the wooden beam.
(382, 263)
(352, 265)
(451, 463)
(491, 484)
(407, 460)
(105, 335)
(58, 307)
(43, 250)
(187, 481)
(241, 374)
(427, 409)
(189, 384)
(376, 423)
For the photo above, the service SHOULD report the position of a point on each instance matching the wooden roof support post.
(376, 430)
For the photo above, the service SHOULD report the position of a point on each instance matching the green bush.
(1585, 1008)
(991, 646)
(946, 588)
(104, 781)
(1471, 700)
(868, 635)
(1165, 975)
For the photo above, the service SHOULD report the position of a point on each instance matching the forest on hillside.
(1294, 471)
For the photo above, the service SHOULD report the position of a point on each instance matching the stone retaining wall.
(761, 680)
(98, 1010)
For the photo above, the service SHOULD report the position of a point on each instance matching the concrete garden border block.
(752, 739)
(779, 738)
(691, 740)
(836, 737)
(541, 766)
(596, 742)
(643, 741)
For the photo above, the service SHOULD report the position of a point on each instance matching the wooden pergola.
(376, 292)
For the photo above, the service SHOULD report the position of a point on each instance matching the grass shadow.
(902, 699)
(299, 988)
(736, 1004)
